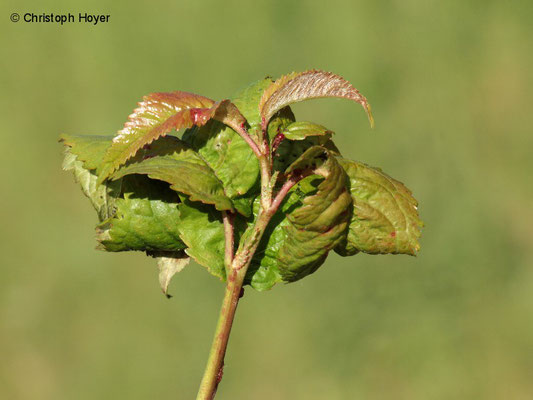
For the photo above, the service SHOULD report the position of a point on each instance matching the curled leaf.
(82, 154)
(385, 218)
(227, 113)
(173, 161)
(202, 230)
(300, 86)
(169, 264)
(227, 153)
(157, 114)
(146, 218)
(312, 221)
(302, 129)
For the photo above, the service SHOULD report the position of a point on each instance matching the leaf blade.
(302, 129)
(146, 218)
(82, 154)
(312, 84)
(173, 161)
(156, 115)
(312, 221)
(385, 218)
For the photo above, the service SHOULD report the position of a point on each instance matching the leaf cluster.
(182, 163)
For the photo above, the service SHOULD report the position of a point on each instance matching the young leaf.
(302, 129)
(385, 218)
(312, 221)
(288, 151)
(171, 160)
(300, 86)
(146, 218)
(228, 154)
(227, 113)
(157, 114)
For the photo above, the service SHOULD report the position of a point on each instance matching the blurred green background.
(451, 87)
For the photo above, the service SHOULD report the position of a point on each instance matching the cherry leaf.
(312, 221)
(171, 160)
(385, 218)
(157, 114)
(302, 129)
(300, 86)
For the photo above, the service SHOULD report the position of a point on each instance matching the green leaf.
(247, 100)
(226, 153)
(385, 218)
(300, 86)
(146, 218)
(202, 230)
(169, 264)
(89, 149)
(157, 114)
(174, 162)
(81, 156)
(302, 129)
(312, 221)
(289, 150)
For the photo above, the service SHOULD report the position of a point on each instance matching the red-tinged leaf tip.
(296, 87)
(155, 116)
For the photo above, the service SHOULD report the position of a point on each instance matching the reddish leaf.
(299, 86)
(157, 114)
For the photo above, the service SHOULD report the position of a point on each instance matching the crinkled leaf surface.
(385, 218)
(311, 222)
(202, 230)
(80, 154)
(173, 161)
(290, 150)
(228, 154)
(300, 86)
(301, 129)
(146, 218)
(157, 114)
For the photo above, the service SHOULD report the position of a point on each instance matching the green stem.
(239, 266)
(236, 268)
(215, 362)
